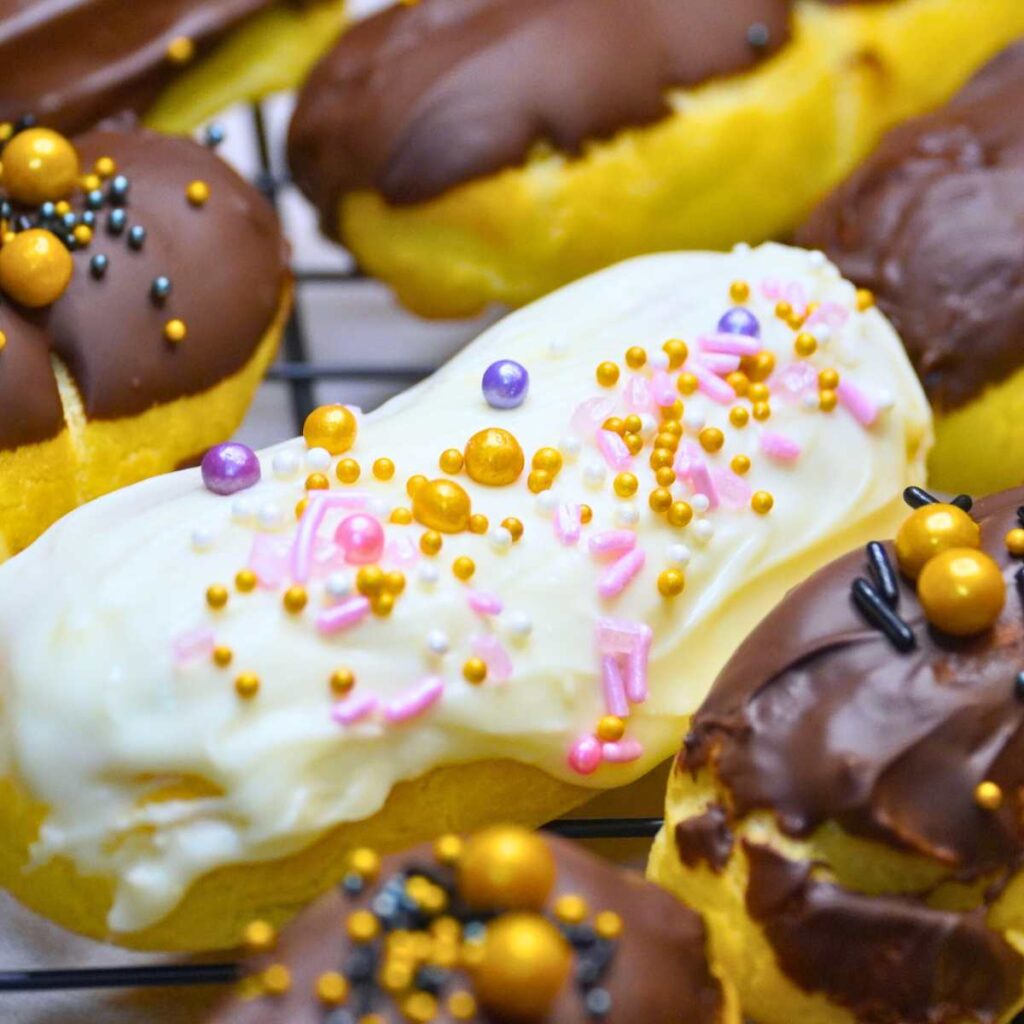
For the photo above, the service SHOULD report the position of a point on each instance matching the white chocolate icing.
(96, 711)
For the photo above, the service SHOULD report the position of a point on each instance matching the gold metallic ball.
(962, 591)
(662, 458)
(610, 729)
(526, 961)
(828, 380)
(711, 439)
(365, 863)
(317, 482)
(680, 513)
(431, 542)
(738, 381)
(442, 505)
(635, 357)
(383, 469)
(660, 500)
(383, 605)
(246, 581)
(514, 526)
(740, 464)
(276, 980)
(571, 909)
(988, 795)
(865, 299)
(608, 924)
(759, 392)
(216, 596)
(175, 331)
(930, 530)
(331, 988)
(762, 411)
(665, 476)
(402, 516)
(222, 656)
(666, 439)
(448, 850)
(332, 427)
(451, 461)
(586, 514)
(35, 268)
(348, 471)
(739, 291)
(259, 937)
(548, 459)
(625, 485)
(615, 424)
(39, 165)
(738, 416)
(198, 193)
(632, 424)
(672, 413)
(475, 671)
(414, 483)
(370, 580)
(295, 599)
(760, 367)
(687, 383)
(1015, 543)
(494, 458)
(671, 583)
(506, 868)
(539, 480)
(677, 352)
(479, 523)
(805, 345)
(607, 374)
(762, 502)
(247, 685)
(463, 568)
(342, 681)
(827, 400)
(394, 582)
(362, 926)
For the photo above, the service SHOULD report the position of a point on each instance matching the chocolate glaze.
(72, 63)
(227, 263)
(659, 974)
(419, 99)
(705, 839)
(888, 959)
(933, 223)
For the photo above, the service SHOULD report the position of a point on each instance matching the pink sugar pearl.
(361, 537)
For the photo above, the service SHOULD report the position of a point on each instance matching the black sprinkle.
(883, 575)
(874, 609)
(137, 237)
(1018, 685)
(964, 502)
(916, 497)
(98, 265)
(116, 221)
(758, 35)
(24, 122)
(214, 135)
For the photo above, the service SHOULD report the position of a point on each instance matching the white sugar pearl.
(558, 348)
(703, 530)
(202, 538)
(700, 503)
(679, 554)
(519, 624)
(429, 574)
(694, 419)
(378, 507)
(338, 585)
(885, 400)
(547, 502)
(627, 514)
(437, 642)
(570, 448)
(243, 510)
(810, 400)
(594, 473)
(318, 460)
(822, 333)
(648, 424)
(500, 538)
(285, 465)
(816, 259)
(658, 360)
(270, 516)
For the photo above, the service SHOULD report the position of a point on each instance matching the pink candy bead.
(585, 756)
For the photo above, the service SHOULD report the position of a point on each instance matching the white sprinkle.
(810, 400)
(243, 510)
(318, 460)
(648, 424)
(627, 514)
(338, 585)
(822, 333)
(500, 538)
(285, 465)
(694, 419)
(570, 448)
(884, 400)
(679, 554)
(202, 538)
(429, 573)
(270, 516)
(519, 624)
(700, 503)
(437, 642)
(594, 473)
(378, 507)
(703, 530)
(547, 502)
(658, 360)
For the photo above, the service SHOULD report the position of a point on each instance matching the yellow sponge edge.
(744, 158)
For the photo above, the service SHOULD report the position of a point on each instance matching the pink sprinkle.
(614, 686)
(192, 645)
(636, 678)
(862, 408)
(720, 364)
(343, 616)
(612, 542)
(402, 551)
(796, 379)
(831, 313)
(305, 539)
(692, 467)
(585, 756)
(616, 578)
(484, 604)
(622, 752)
(638, 395)
(614, 450)
(771, 288)
(620, 636)
(568, 524)
(361, 537)
(269, 561)
(664, 390)
(354, 709)
(589, 415)
(499, 664)
(733, 490)
(730, 344)
(778, 446)
(712, 386)
(416, 701)
(796, 296)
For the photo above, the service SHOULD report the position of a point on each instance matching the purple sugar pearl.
(230, 468)
(506, 384)
(740, 321)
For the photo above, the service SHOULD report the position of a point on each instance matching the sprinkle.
(871, 605)
(614, 580)
(268, 559)
(585, 755)
(414, 703)
(638, 394)
(344, 615)
(622, 752)
(567, 524)
(964, 502)
(490, 650)
(663, 389)
(519, 624)
(198, 193)
(305, 538)
(917, 497)
(192, 645)
(614, 686)
(614, 450)
(730, 344)
(778, 446)
(484, 604)
(355, 708)
(691, 466)
(589, 415)
(883, 575)
(633, 640)
(180, 50)
(860, 405)
(721, 364)
(715, 388)
(988, 795)
(175, 331)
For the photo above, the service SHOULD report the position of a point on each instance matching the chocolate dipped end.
(933, 224)
(658, 972)
(417, 100)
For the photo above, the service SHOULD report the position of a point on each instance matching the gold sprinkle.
(82, 234)
(448, 850)
(401, 516)
(3, 341)
(761, 411)
(276, 980)
(626, 485)
(342, 681)
(514, 526)
(680, 513)
(1015, 543)
(365, 863)
(198, 193)
(462, 1005)
(607, 374)
(738, 416)
(687, 383)
(739, 382)
(259, 937)
(463, 567)
(740, 464)
(317, 482)
(394, 582)
(247, 685)
(636, 357)
(615, 424)
(222, 656)
(245, 581)
(677, 352)
(586, 514)
(828, 380)
(711, 439)
(865, 299)
(548, 460)
(181, 50)
(431, 542)
(347, 471)
(331, 989)
(105, 167)
(175, 331)
(671, 583)
(827, 400)
(665, 476)
(478, 523)
(762, 502)
(611, 729)
(805, 345)
(451, 461)
(988, 795)
(633, 423)
(660, 500)
(362, 926)
(383, 469)
(474, 671)
(539, 480)
(571, 909)
(216, 596)
(295, 599)
(739, 291)
(662, 458)
(608, 924)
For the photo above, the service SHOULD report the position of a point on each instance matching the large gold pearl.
(332, 427)
(930, 530)
(442, 505)
(962, 591)
(35, 268)
(494, 458)
(40, 166)
(526, 961)
(506, 868)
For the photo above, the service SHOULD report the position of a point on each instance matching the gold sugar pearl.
(828, 380)
(431, 542)
(222, 656)
(175, 331)
(634, 442)
(331, 988)
(660, 500)
(276, 980)
(494, 457)
(317, 482)
(758, 392)
(39, 165)
(608, 925)
(988, 795)
(3, 341)
(105, 167)
(687, 383)
(761, 411)
(667, 439)
(711, 439)
(198, 193)
(362, 926)
(615, 424)
(662, 458)
(415, 484)
(478, 523)
(1015, 543)
(677, 352)
(586, 514)
(216, 596)
(548, 460)
(347, 471)
(827, 400)
(442, 505)
(626, 485)
(295, 599)
(420, 1008)
(760, 367)
(462, 1005)
(474, 671)
(300, 507)
(611, 729)
(394, 582)
(671, 583)
(334, 428)
(795, 321)
(383, 469)
(762, 502)
(451, 461)
(448, 850)
(680, 513)
(370, 580)
(365, 863)
(739, 291)
(247, 685)
(739, 417)
(739, 382)
(607, 374)
(401, 516)
(665, 476)
(342, 681)
(672, 413)
(571, 909)
(463, 567)
(246, 581)
(383, 605)
(82, 234)
(539, 480)
(783, 310)
(259, 937)
(180, 50)
(740, 464)
(633, 423)
(514, 526)
(865, 299)
(636, 357)
(805, 345)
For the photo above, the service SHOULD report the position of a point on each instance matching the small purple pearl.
(506, 384)
(740, 321)
(230, 468)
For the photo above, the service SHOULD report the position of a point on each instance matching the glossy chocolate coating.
(420, 99)
(227, 263)
(659, 974)
(933, 223)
